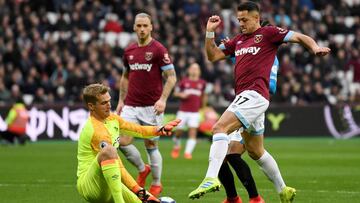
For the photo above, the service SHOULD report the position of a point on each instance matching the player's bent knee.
(150, 143)
(106, 153)
(192, 133)
(236, 148)
(218, 128)
(254, 154)
(125, 140)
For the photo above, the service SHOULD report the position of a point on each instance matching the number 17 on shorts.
(248, 106)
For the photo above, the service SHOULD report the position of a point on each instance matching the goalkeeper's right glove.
(166, 129)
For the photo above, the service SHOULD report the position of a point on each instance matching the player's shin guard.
(270, 168)
(133, 155)
(227, 180)
(217, 154)
(244, 173)
(155, 160)
(112, 175)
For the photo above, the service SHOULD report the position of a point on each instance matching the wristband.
(210, 34)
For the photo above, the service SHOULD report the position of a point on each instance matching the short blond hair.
(143, 15)
(91, 92)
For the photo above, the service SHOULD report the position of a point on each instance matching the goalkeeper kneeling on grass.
(101, 174)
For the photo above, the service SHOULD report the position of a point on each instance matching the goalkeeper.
(101, 174)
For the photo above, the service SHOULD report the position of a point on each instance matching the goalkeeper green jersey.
(96, 134)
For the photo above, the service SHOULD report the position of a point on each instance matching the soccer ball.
(167, 200)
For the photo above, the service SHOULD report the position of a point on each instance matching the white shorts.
(188, 119)
(142, 115)
(249, 107)
(236, 136)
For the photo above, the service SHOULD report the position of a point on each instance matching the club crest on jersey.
(131, 57)
(258, 38)
(148, 56)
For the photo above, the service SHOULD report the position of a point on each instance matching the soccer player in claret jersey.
(101, 174)
(143, 96)
(237, 148)
(255, 50)
(191, 91)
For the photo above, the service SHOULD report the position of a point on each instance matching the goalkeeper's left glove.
(166, 129)
(146, 197)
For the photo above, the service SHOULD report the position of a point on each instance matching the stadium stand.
(49, 50)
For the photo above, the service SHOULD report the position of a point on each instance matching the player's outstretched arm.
(124, 83)
(309, 43)
(213, 52)
(136, 130)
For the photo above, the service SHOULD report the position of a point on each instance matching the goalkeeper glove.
(166, 129)
(146, 197)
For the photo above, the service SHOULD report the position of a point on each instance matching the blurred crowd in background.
(49, 50)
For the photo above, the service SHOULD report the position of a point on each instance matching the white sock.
(270, 168)
(133, 155)
(217, 154)
(155, 161)
(190, 145)
(177, 141)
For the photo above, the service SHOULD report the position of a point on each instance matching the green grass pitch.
(321, 169)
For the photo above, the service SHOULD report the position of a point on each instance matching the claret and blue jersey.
(273, 74)
(254, 56)
(145, 65)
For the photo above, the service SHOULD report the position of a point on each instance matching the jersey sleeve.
(135, 130)
(180, 86)
(278, 35)
(229, 47)
(165, 62)
(126, 63)
(11, 116)
(94, 131)
(204, 87)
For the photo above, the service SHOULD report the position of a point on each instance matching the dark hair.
(264, 23)
(248, 6)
